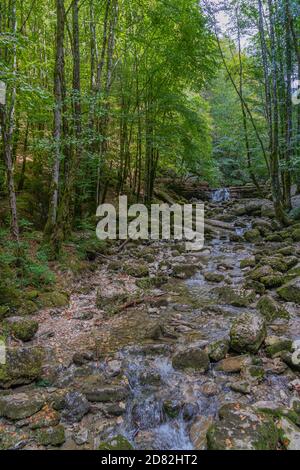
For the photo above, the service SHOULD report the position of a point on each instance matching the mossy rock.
(242, 428)
(184, 271)
(192, 358)
(248, 262)
(247, 333)
(276, 345)
(214, 277)
(260, 272)
(23, 329)
(53, 436)
(274, 237)
(257, 286)
(290, 291)
(296, 235)
(238, 297)
(53, 299)
(4, 312)
(172, 408)
(252, 235)
(28, 307)
(270, 309)
(152, 282)
(218, 350)
(140, 270)
(272, 281)
(23, 366)
(276, 262)
(118, 442)
(20, 405)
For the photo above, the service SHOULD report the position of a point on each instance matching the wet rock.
(22, 328)
(54, 436)
(248, 262)
(150, 377)
(290, 434)
(151, 282)
(247, 333)
(192, 358)
(96, 390)
(270, 309)
(189, 411)
(172, 408)
(199, 430)
(214, 277)
(114, 368)
(218, 350)
(252, 236)
(275, 345)
(242, 428)
(253, 373)
(75, 407)
(20, 405)
(23, 366)
(210, 389)
(184, 271)
(238, 297)
(241, 387)
(84, 316)
(290, 291)
(233, 364)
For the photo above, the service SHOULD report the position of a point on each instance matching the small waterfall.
(220, 195)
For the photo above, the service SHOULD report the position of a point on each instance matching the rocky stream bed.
(160, 348)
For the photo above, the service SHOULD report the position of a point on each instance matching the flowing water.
(220, 195)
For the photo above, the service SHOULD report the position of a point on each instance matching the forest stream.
(144, 355)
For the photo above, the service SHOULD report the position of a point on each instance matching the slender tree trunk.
(275, 172)
(57, 132)
(24, 160)
(244, 114)
(289, 109)
(7, 120)
(63, 226)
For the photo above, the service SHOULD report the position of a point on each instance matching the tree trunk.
(57, 131)
(7, 119)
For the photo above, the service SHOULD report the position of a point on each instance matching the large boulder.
(242, 428)
(22, 328)
(248, 333)
(75, 406)
(234, 364)
(193, 358)
(270, 309)
(290, 291)
(20, 405)
(22, 366)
